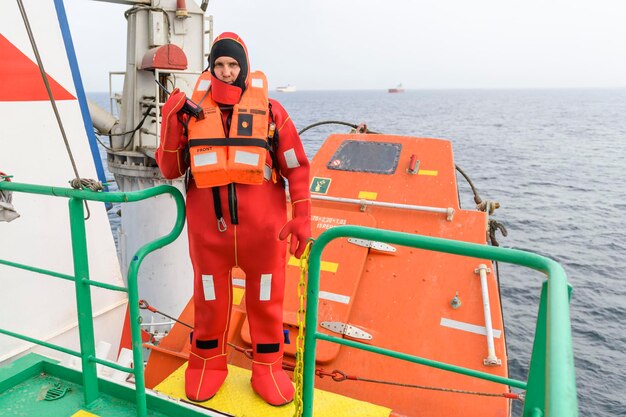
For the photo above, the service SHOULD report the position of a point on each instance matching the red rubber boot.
(204, 376)
(264, 303)
(207, 368)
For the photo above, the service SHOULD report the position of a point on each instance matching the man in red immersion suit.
(236, 218)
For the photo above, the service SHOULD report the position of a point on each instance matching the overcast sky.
(423, 44)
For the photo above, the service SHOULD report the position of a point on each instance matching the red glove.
(172, 128)
(299, 227)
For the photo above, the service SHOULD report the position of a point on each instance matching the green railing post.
(83, 299)
(310, 341)
(560, 393)
(538, 393)
(135, 330)
(535, 399)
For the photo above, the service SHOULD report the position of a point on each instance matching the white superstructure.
(33, 150)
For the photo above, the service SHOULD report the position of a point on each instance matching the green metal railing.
(551, 386)
(83, 284)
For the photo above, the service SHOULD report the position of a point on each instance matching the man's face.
(226, 69)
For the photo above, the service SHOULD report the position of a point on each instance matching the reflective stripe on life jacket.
(240, 157)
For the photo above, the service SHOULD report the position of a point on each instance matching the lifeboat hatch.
(342, 267)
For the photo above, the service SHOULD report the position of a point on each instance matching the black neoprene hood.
(232, 48)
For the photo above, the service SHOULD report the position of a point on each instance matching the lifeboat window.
(371, 157)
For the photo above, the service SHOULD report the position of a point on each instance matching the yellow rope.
(298, 371)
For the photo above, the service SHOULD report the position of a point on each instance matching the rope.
(82, 183)
(298, 371)
(339, 376)
(336, 122)
(489, 207)
(477, 198)
(143, 304)
(493, 227)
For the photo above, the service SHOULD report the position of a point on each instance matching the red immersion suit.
(248, 237)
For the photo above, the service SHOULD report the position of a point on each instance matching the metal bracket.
(346, 330)
(379, 246)
(449, 214)
(482, 267)
(492, 362)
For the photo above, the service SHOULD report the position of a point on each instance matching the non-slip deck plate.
(236, 397)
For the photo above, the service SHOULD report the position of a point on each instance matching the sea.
(555, 160)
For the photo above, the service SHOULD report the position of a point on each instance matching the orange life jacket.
(241, 157)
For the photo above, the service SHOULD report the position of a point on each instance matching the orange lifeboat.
(418, 302)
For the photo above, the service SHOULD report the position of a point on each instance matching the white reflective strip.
(203, 85)
(472, 328)
(257, 82)
(239, 282)
(266, 287)
(267, 172)
(209, 287)
(331, 296)
(291, 159)
(248, 158)
(201, 159)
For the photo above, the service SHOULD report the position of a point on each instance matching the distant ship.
(397, 89)
(286, 89)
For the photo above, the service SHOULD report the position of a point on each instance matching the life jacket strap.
(232, 206)
(232, 203)
(230, 142)
(217, 205)
(272, 141)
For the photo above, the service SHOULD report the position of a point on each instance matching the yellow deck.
(236, 397)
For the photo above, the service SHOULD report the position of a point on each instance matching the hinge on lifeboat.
(346, 330)
(379, 246)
